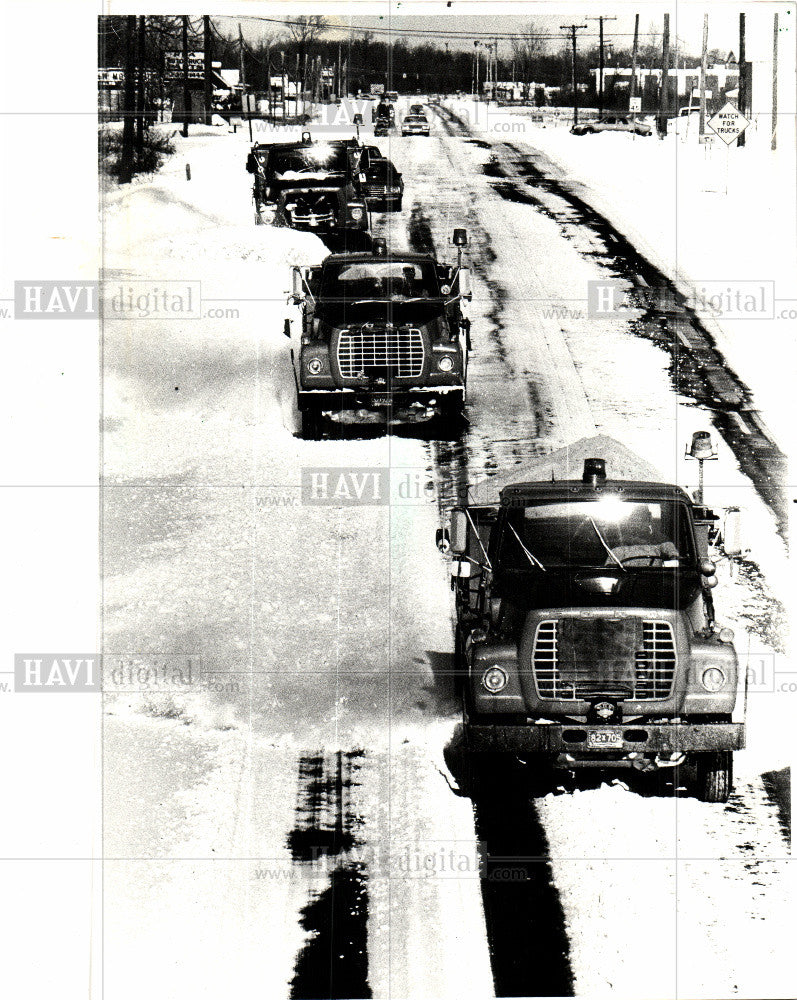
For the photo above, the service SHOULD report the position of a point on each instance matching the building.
(721, 80)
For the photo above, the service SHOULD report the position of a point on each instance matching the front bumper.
(368, 399)
(635, 739)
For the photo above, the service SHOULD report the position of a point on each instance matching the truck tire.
(451, 418)
(714, 775)
(312, 424)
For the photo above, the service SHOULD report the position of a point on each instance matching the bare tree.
(527, 48)
(304, 31)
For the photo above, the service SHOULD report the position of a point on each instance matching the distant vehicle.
(392, 96)
(417, 109)
(613, 123)
(385, 333)
(384, 185)
(415, 124)
(383, 115)
(684, 112)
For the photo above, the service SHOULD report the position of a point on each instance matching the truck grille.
(395, 352)
(654, 665)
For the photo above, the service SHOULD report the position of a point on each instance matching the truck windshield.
(392, 280)
(317, 159)
(610, 532)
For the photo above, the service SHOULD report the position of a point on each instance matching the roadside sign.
(377, 88)
(635, 105)
(728, 123)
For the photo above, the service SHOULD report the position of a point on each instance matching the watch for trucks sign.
(728, 123)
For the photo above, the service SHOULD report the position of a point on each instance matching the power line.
(437, 33)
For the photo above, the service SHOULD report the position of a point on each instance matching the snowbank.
(700, 214)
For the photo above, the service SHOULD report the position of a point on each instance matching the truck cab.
(585, 631)
(384, 332)
(314, 186)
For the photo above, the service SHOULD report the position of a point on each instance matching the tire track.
(698, 368)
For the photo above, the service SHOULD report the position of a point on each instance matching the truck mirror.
(460, 568)
(443, 539)
(459, 532)
(732, 532)
(460, 238)
(465, 289)
(358, 119)
(298, 289)
(287, 328)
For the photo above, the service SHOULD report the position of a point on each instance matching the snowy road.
(290, 823)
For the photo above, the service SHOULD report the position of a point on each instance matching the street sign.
(634, 105)
(728, 123)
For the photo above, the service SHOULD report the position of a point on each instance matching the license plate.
(381, 400)
(604, 739)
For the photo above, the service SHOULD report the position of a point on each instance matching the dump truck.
(382, 332)
(313, 186)
(585, 627)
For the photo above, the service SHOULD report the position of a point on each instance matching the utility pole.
(128, 127)
(742, 75)
(633, 60)
(186, 91)
(140, 94)
(338, 79)
(664, 93)
(573, 28)
(775, 84)
(284, 88)
(600, 19)
(703, 69)
(208, 53)
(242, 70)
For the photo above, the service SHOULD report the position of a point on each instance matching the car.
(613, 123)
(415, 124)
(392, 96)
(417, 109)
(384, 185)
(379, 332)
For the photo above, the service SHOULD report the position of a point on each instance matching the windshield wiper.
(535, 562)
(606, 546)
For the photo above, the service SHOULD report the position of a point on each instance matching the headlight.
(713, 679)
(356, 213)
(314, 366)
(494, 680)
(445, 364)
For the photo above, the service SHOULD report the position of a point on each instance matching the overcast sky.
(460, 29)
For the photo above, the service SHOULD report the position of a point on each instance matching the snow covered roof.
(568, 463)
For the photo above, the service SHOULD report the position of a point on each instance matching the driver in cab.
(640, 545)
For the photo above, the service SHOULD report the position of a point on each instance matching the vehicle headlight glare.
(356, 213)
(713, 679)
(494, 679)
(445, 364)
